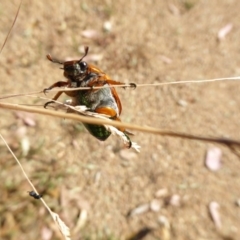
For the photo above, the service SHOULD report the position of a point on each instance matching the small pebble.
(173, 9)
(46, 233)
(27, 118)
(25, 144)
(139, 210)
(82, 218)
(161, 193)
(90, 33)
(214, 212)
(107, 26)
(213, 159)
(182, 103)
(127, 155)
(223, 32)
(155, 205)
(21, 132)
(165, 233)
(175, 200)
(97, 177)
(166, 59)
(164, 221)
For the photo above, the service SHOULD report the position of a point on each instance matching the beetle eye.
(83, 66)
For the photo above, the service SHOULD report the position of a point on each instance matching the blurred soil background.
(99, 189)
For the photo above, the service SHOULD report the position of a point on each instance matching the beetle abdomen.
(97, 99)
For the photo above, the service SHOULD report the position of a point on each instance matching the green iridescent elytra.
(98, 131)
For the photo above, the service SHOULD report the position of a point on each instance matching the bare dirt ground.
(148, 42)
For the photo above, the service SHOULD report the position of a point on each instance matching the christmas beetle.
(102, 100)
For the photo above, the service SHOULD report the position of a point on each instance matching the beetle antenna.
(85, 53)
(49, 57)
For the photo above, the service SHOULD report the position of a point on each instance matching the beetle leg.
(133, 85)
(47, 103)
(53, 100)
(113, 82)
(107, 111)
(130, 142)
(111, 113)
(56, 84)
(96, 83)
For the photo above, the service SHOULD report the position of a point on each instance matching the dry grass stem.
(235, 144)
(61, 225)
(126, 141)
(148, 85)
(14, 21)
(228, 142)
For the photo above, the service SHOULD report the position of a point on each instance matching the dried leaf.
(155, 205)
(46, 233)
(182, 103)
(61, 225)
(127, 155)
(21, 132)
(25, 144)
(175, 200)
(224, 31)
(81, 221)
(97, 177)
(214, 212)
(165, 233)
(173, 9)
(166, 59)
(139, 210)
(107, 26)
(90, 33)
(27, 118)
(161, 193)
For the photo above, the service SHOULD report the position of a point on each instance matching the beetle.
(34, 195)
(102, 100)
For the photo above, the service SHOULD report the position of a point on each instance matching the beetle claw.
(133, 85)
(129, 140)
(47, 103)
(45, 90)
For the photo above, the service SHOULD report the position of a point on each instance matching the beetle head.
(73, 70)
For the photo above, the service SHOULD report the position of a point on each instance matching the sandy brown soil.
(149, 42)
